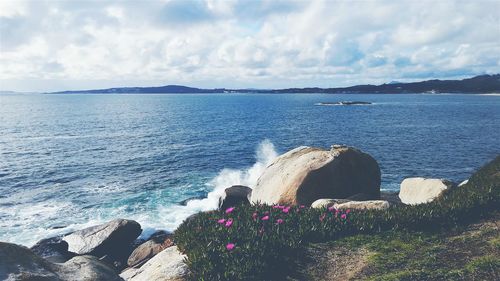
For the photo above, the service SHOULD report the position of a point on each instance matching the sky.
(48, 45)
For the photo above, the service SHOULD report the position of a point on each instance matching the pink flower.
(221, 221)
(265, 218)
(302, 206)
(347, 211)
(343, 216)
(331, 209)
(229, 222)
(278, 207)
(286, 210)
(322, 217)
(229, 210)
(230, 246)
(279, 221)
(254, 215)
(266, 213)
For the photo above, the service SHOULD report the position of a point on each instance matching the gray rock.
(149, 249)
(364, 205)
(168, 265)
(361, 197)
(416, 191)
(325, 203)
(186, 201)
(104, 239)
(235, 195)
(86, 268)
(305, 174)
(53, 249)
(391, 197)
(19, 263)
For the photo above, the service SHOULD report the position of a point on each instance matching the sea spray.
(172, 216)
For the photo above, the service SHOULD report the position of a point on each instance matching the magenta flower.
(265, 218)
(331, 209)
(343, 216)
(322, 217)
(278, 206)
(347, 211)
(229, 210)
(286, 210)
(221, 221)
(230, 246)
(302, 206)
(266, 213)
(279, 221)
(254, 215)
(229, 222)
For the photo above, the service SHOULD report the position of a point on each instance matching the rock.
(360, 205)
(19, 263)
(463, 183)
(167, 265)
(305, 174)
(186, 201)
(52, 249)
(160, 235)
(415, 191)
(345, 103)
(325, 203)
(149, 249)
(103, 239)
(235, 195)
(391, 197)
(360, 197)
(86, 268)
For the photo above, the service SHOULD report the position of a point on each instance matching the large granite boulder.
(86, 268)
(168, 265)
(415, 191)
(363, 205)
(103, 239)
(305, 174)
(19, 263)
(149, 249)
(53, 249)
(235, 195)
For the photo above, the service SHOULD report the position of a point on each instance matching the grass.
(264, 249)
(465, 253)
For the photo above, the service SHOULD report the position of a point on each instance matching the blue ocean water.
(69, 161)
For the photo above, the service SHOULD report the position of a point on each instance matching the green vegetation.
(261, 242)
(464, 253)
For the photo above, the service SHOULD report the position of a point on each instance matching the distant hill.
(475, 85)
(169, 89)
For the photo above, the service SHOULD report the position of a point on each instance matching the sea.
(69, 161)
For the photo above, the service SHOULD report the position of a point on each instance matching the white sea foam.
(47, 219)
(173, 216)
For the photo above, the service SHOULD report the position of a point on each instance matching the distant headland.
(476, 85)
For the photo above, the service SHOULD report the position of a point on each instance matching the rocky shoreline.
(343, 178)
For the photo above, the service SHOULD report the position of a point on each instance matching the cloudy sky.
(56, 45)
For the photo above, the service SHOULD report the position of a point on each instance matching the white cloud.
(243, 43)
